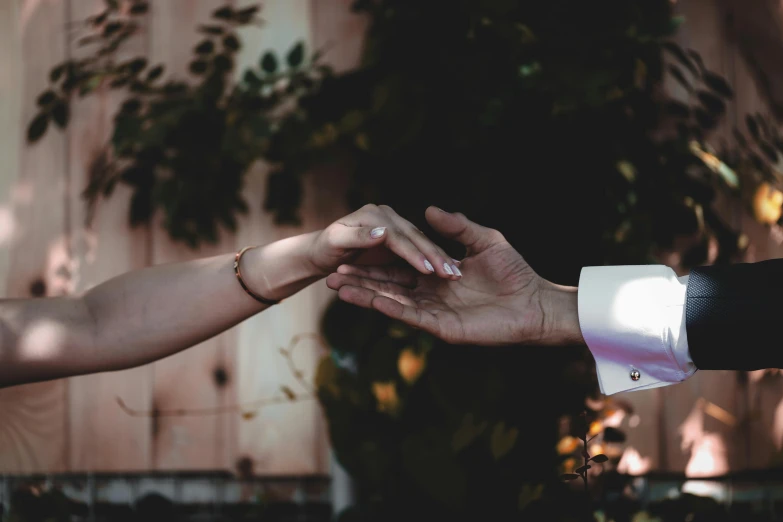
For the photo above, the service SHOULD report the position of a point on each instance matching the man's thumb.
(456, 226)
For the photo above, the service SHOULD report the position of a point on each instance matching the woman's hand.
(500, 299)
(377, 235)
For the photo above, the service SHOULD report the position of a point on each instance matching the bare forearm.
(142, 316)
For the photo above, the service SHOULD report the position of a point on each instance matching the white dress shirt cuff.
(633, 321)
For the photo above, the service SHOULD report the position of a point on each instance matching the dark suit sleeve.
(734, 314)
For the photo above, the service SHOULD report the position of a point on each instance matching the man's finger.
(456, 226)
(402, 294)
(401, 276)
(410, 315)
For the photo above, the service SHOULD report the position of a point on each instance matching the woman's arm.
(142, 316)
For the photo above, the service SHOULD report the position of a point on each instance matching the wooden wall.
(680, 424)
(76, 424)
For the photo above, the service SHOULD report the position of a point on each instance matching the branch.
(247, 409)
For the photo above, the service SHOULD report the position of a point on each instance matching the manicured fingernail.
(456, 270)
(457, 262)
(428, 266)
(448, 269)
(377, 232)
(441, 210)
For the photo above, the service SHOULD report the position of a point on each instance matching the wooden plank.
(102, 436)
(286, 438)
(683, 430)
(340, 33)
(187, 380)
(33, 427)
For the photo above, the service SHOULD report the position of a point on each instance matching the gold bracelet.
(252, 294)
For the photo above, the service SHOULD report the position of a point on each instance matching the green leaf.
(56, 73)
(155, 73)
(569, 476)
(718, 84)
(223, 63)
(205, 47)
(502, 440)
(211, 29)
(676, 51)
(269, 62)
(110, 29)
(47, 98)
(231, 42)
(676, 72)
(295, 56)
(248, 11)
(467, 433)
(223, 13)
(139, 8)
(137, 65)
(739, 138)
(61, 114)
(613, 435)
(37, 127)
(600, 458)
(696, 57)
(712, 103)
(198, 66)
(251, 79)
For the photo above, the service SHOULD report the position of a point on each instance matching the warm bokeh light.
(632, 463)
(767, 204)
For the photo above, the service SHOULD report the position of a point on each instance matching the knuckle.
(369, 207)
(385, 208)
(496, 236)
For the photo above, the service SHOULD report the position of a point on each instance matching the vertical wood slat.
(187, 380)
(285, 438)
(703, 31)
(102, 436)
(338, 31)
(33, 427)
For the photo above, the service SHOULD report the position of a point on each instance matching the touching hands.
(376, 235)
(499, 299)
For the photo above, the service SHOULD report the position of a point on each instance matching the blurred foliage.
(185, 146)
(580, 130)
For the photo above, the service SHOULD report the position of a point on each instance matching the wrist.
(560, 307)
(280, 269)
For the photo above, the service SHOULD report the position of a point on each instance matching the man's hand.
(499, 300)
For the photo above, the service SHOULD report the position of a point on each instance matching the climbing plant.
(184, 145)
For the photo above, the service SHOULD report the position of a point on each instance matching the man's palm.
(497, 301)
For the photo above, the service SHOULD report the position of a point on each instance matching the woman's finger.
(441, 261)
(402, 276)
(399, 243)
(354, 238)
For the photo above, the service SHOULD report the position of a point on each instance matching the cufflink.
(635, 375)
